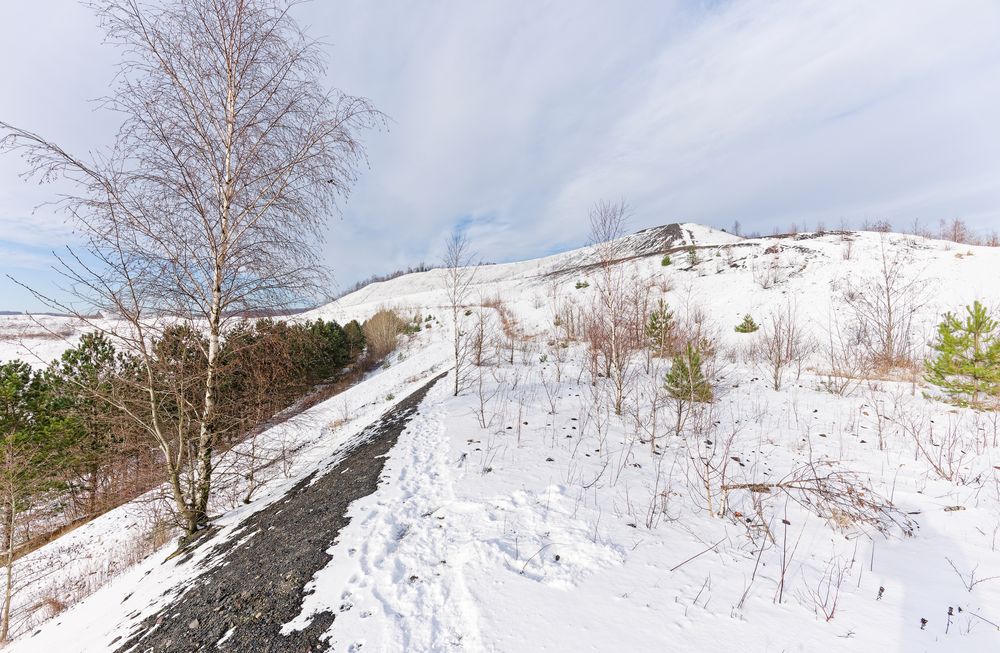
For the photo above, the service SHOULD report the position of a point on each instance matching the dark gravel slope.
(256, 579)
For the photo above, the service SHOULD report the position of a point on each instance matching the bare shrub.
(382, 333)
(884, 306)
(878, 225)
(510, 334)
(783, 344)
(946, 451)
(50, 590)
(847, 363)
(969, 581)
(768, 273)
(825, 595)
(847, 246)
(710, 453)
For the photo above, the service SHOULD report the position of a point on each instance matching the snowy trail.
(405, 554)
(254, 581)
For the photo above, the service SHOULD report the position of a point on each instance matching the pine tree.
(659, 327)
(967, 365)
(82, 380)
(31, 453)
(355, 338)
(686, 384)
(747, 325)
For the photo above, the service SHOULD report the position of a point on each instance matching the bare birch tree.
(459, 274)
(213, 197)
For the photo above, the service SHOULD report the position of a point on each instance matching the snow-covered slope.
(524, 515)
(523, 282)
(730, 277)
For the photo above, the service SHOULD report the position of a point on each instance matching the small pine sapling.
(659, 329)
(747, 325)
(665, 261)
(967, 364)
(686, 384)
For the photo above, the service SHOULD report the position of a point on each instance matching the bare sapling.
(884, 306)
(615, 326)
(481, 335)
(825, 594)
(710, 455)
(646, 409)
(459, 275)
(787, 554)
(783, 345)
(944, 448)
(659, 500)
(846, 362)
(559, 355)
(969, 580)
(487, 394)
(551, 387)
(20, 461)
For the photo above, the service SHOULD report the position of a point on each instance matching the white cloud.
(766, 112)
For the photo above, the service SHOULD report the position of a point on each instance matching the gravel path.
(256, 579)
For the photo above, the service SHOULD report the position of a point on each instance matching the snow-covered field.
(524, 515)
(37, 340)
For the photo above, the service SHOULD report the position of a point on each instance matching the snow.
(544, 552)
(560, 531)
(37, 339)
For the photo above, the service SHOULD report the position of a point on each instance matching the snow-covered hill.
(524, 515)
(732, 276)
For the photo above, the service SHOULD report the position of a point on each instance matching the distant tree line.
(378, 278)
(955, 230)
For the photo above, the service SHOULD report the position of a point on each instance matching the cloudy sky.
(509, 119)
